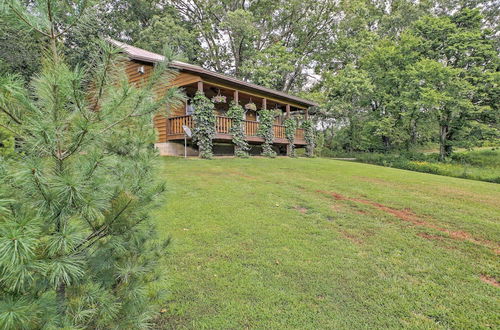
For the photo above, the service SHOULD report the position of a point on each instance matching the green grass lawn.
(319, 243)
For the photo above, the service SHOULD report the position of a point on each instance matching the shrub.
(308, 127)
(290, 128)
(236, 114)
(204, 124)
(266, 131)
(429, 164)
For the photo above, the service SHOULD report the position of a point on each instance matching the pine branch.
(102, 235)
(87, 220)
(77, 100)
(14, 118)
(10, 130)
(105, 72)
(102, 230)
(25, 20)
(72, 24)
(75, 147)
(136, 106)
(39, 186)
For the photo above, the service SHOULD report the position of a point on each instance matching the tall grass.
(482, 165)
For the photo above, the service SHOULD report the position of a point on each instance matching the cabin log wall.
(132, 69)
(169, 124)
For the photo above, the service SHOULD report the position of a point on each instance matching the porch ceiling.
(211, 90)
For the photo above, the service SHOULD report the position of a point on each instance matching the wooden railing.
(174, 124)
(299, 134)
(279, 131)
(223, 126)
(251, 128)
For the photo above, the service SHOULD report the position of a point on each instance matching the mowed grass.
(318, 243)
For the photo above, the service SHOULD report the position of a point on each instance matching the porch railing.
(251, 128)
(174, 124)
(223, 126)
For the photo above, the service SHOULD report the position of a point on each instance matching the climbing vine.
(266, 131)
(236, 114)
(204, 124)
(290, 128)
(307, 125)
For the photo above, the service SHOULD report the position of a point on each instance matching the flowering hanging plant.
(219, 99)
(251, 106)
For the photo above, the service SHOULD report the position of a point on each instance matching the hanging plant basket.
(251, 106)
(219, 99)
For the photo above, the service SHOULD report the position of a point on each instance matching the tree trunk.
(387, 142)
(443, 140)
(61, 303)
(413, 133)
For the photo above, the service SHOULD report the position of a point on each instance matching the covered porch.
(174, 130)
(171, 127)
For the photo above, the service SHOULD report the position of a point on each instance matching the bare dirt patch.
(354, 239)
(442, 241)
(408, 215)
(243, 175)
(374, 180)
(301, 209)
(430, 236)
(467, 195)
(452, 191)
(336, 207)
(490, 280)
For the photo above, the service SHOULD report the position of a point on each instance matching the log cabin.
(192, 78)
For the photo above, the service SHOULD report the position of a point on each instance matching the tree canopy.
(302, 47)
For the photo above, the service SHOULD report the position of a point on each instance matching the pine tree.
(78, 248)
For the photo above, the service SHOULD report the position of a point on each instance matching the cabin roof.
(139, 54)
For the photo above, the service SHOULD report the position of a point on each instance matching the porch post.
(236, 97)
(307, 114)
(264, 104)
(200, 86)
(288, 111)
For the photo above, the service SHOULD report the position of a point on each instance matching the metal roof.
(139, 54)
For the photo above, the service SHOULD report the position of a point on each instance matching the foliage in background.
(482, 165)
(434, 82)
(77, 245)
(290, 131)
(270, 42)
(308, 127)
(168, 30)
(236, 113)
(318, 49)
(204, 124)
(19, 47)
(266, 122)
